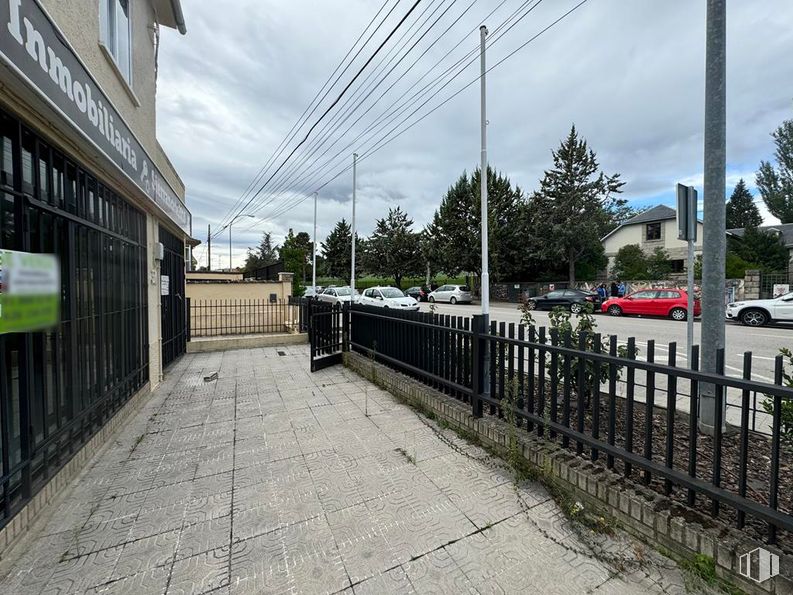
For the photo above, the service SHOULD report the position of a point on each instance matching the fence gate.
(326, 334)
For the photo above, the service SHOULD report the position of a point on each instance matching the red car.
(672, 303)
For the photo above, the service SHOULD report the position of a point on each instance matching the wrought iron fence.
(213, 318)
(564, 387)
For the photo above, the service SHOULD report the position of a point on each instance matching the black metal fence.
(214, 318)
(564, 387)
(265, 273)
(768, 282)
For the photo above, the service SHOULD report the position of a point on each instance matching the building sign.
(34, 48)
(30, 288)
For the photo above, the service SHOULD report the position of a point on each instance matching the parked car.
(420, 294)
(312, 292)
(672, 303)
(762, 312)
(388, 297)
(454, 294)
(338, 295)
(573, 299)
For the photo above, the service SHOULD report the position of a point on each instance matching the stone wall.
(642, 512)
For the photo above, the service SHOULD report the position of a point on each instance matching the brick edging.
(642, 512)
(23, 521)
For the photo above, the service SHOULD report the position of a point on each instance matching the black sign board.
(36, 50)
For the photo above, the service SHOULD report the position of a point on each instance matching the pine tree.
(764, 248)
(776, 184)
(337, 252)
(741, 210)
(393, 248)
(574, 205)
(262, 255)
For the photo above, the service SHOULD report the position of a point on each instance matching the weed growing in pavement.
(701, 569)
(786, 416)
(514, 456)
(407, 455)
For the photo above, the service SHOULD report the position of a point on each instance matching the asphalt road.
(763, 342)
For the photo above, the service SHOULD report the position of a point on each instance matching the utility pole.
(209, 247)
(485, 278)
(314, 249)
(714, 236)
(354, 184)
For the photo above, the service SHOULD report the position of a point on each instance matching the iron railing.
(564, 388)
(214, 318)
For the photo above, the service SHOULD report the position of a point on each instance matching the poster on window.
(29, 291)
(781, 289)
(165, 285)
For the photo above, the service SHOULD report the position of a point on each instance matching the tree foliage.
(455, 231)
(296, 254)
(575, 205)
(765, 249)
(265, 254)
(741, 210)
(393, 248)
(776, 183)
(337, 252)
(633, 264)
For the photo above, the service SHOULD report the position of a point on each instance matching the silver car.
(338, 295)
(454, 294)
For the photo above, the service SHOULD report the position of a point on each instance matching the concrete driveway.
(274, 480)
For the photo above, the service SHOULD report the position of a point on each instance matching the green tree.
(764, 248)
(574, 206)
(393, 248)
(262, 255)
(776, 184)
(296, 254)
(658, 264)
(741, 210)
(337, 252)
(630, 263)
(455, 229)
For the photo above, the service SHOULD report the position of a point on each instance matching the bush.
(786, 425)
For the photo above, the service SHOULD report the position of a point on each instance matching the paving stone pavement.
(275, 480)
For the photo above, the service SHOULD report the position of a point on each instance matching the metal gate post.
(345, 327)
(477, 363)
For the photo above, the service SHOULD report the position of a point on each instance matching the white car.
(338, 295)
(454, 294)
(760, 312)
(388, 297)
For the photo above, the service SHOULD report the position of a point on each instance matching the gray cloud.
(629, 74)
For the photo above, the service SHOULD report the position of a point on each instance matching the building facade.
(83, 177)
(654, 228)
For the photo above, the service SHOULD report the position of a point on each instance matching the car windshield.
(343, 291)
(392, 292)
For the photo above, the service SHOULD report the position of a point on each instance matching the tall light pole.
(314, 250)
(230, 224)
(714, 231)
(485, 278)
(354, 185)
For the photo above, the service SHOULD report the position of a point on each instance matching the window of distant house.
(653, 231)
(116, 34)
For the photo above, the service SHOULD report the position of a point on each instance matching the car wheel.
(531, 305)
(432, 300)
(576, 308)
(754, 317)
(615, 311)
(678, 314)
(453, 300)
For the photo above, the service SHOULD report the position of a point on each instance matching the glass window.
(465, 288)
(654, 231)
(644, 295)
(116, 34)
(555, 295)
(392, 292)
(368, 293)
(668, 294)
(343, 291)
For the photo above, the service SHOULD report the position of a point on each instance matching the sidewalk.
(274, 480)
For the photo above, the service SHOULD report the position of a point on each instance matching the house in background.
(654, 228)
(785, 230)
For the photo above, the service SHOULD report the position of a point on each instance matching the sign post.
(687, 230)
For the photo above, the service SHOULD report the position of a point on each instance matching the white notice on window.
(165, 285)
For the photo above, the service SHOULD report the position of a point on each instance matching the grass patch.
(408, 456)
(700, 570)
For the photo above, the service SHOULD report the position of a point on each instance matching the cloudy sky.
(629, 74)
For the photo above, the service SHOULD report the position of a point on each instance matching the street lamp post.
(354, 187)
(230, 224)
(485, 278)
(314, 249)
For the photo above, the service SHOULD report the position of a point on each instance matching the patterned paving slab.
(275, 480)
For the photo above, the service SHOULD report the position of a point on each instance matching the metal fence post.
(188, 325)
(345, 327)
(477, 363)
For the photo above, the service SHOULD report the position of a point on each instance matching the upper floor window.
(653, 231)
(116, 33)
